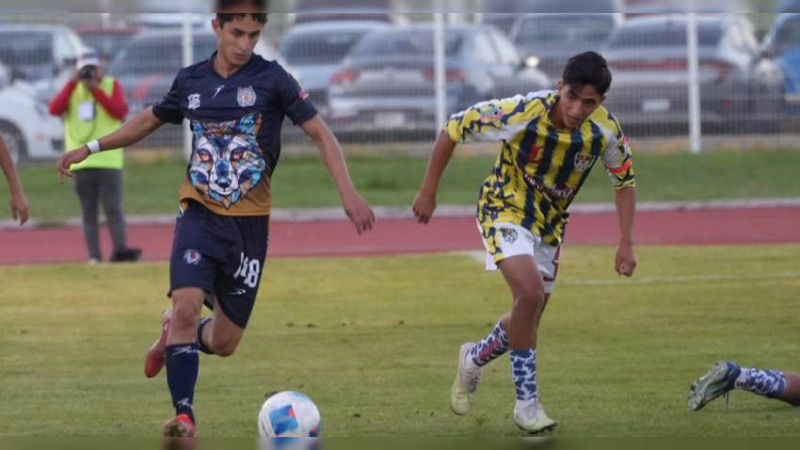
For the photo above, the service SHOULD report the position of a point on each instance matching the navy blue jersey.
(236, 122)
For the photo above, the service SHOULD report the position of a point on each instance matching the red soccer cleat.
(155, 358)
(181, 426)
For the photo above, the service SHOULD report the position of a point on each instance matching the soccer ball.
(289, 414)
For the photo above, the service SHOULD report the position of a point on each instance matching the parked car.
(783, 42)
(554, 38)
(739, 86)
(43, 54)
(387, 82)
(147, 66)
(25, 124)
(315, 50)
(504, 13)
(106, 40)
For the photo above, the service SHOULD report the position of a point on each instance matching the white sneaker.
(466, 383)
(530, 417)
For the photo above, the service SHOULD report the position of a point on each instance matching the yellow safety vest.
(79, 132)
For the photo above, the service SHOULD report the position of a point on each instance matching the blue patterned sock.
(200, 344)
(491, 347)
(767, 383)
(183, 365)
(523, 369)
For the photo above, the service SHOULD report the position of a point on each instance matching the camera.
(88, 73)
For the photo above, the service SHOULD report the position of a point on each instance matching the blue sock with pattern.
(183, 365)
(200, 344)
(767, 383)
(523, 370)
(491, 347)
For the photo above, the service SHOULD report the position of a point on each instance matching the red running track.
(402, 236)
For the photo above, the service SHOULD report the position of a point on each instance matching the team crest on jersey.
(246, 97)
(491, 113)
(194, 102)
(192, 257)
(510, 235)
(583, 162)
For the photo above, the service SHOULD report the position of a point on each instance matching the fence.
(375, 80)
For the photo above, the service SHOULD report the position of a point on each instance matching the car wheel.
(14, 141)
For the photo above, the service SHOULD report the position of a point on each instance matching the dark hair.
(588, 69)
(246, 5)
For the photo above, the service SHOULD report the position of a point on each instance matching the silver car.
(316, 49)
(740, 86)
(386, 84)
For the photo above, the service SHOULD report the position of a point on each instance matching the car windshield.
(407, 43)
(551, 30)
(19, 49)
(673, 36)
(137, 58)
(320, 48)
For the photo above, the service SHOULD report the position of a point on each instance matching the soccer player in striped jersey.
(550, 141)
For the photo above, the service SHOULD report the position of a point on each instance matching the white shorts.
(514, 240)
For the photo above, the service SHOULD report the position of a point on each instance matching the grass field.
(374, 342)
(303, 182)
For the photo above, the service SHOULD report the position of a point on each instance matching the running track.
(726, 226)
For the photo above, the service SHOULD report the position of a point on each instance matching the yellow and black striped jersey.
(540, 168)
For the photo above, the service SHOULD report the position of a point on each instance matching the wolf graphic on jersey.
(227, 162)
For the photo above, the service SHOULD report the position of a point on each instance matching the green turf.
(303, 182)
(374, 342)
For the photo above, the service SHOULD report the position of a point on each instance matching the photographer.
(93, 105)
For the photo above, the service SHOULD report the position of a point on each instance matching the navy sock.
(183, 366)
(200, 344)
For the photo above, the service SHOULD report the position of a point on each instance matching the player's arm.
(19, 203)
(425, 202)
(618, 161)
(354, 205)
(492, 121)
(625, 201)
(133, 131)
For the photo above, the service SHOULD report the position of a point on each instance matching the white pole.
(188, 60)
(695, 122)
(440, 69)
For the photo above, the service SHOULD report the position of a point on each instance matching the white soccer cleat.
(466, 383)
(530, 417)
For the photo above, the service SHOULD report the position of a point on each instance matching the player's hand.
(625, 262)
(70, 158)
(424, 205)
(358, 211)
(19, 207)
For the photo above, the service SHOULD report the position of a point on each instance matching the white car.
(28, 129)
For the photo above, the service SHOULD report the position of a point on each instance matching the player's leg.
(726, 376)
(218, 335)
(527, 289)
(182, 359)
(236, 289)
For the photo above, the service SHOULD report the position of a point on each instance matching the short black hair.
(257, 10)
(588, 69)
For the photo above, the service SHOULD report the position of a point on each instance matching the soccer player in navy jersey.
(549, 142)
(236, 102)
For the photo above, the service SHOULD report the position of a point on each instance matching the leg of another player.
(219, 335)
(791, 394)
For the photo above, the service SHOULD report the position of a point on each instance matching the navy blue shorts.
(221, 255)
